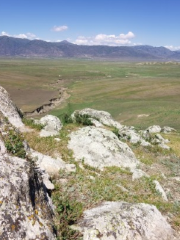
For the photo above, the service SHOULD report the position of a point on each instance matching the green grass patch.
(129, 91)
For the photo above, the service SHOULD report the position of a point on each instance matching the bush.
(14, 144)
(83, 119)
(67, 118)
(67, 212)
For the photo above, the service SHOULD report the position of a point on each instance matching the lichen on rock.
(122, 220)
(101, 148)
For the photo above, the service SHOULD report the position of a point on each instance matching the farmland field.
(138, 94)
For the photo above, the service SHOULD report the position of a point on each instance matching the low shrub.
(67, 212)
(83, 119)
(30, 122)
(14, 144)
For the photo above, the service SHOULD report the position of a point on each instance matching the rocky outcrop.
(167, 129)
(26, 211)
(121, 220)
(25, 207)
(103, 117)
(101, 148)
(9, 109)
(130, 134)
(154, 129)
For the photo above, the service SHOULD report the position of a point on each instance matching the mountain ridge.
(18, 47)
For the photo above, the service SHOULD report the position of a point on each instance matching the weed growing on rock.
(116, 131)
(68, 211)
(13, 139)
(30, 122)
(83, 119)
(14, 144)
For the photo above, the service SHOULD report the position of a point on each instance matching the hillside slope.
(109, 181)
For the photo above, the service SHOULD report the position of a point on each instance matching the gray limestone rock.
(154, 129)
(138, 173)
(158, 139)
(167, 129)
(159, 189)
(9, 109)
(25, 207)
(103, 117)
(52, 126)
(131, 135)
(101, 148)
(121, 220)
(50, 165)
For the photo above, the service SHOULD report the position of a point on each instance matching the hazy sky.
(109, 22)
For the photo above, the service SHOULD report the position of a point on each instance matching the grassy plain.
(138, 94)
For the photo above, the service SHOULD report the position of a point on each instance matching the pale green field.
(135, 94)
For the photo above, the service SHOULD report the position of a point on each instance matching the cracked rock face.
(25, 211)
(121, 220)
(9, 109)
(101, 148)
(25, 207)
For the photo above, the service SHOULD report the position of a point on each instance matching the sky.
(94, 22)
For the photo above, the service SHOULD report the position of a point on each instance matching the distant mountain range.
(17, 47)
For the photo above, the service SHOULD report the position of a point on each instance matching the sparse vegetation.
(14, 144)
(115, 131)
(30, 122)
(83, 119)
(68, 211)
(12, 137)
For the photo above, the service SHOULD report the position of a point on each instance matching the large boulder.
(102, 118)
(121, 220)
(26, 210)
(9, 109)
(101, 148)
(52, 126)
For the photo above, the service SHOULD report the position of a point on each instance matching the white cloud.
(104, 39)
(172, 48)
(21, 35)
(59, 28)
(82, 41)
(127, 36)
(4, 33)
